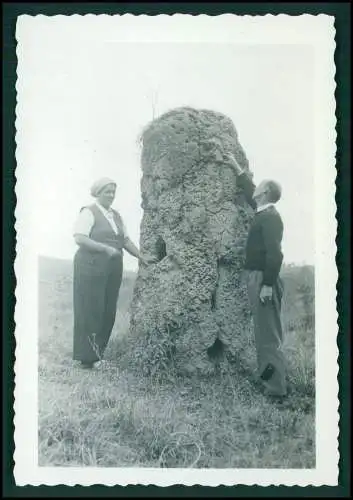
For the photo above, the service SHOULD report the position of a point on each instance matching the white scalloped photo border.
(317, 31)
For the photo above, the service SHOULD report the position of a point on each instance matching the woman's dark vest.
(102, 230)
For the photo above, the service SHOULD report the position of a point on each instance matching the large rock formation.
(195, 221)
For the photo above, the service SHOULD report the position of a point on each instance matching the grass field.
(114, 417)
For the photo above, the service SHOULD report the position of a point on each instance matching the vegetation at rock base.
(116, 417)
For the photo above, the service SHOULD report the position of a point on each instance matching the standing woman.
(98, 266)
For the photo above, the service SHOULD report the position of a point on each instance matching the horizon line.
(70, 259)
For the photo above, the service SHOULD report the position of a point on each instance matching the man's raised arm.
(244, 181)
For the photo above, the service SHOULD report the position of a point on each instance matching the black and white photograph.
(176, 281)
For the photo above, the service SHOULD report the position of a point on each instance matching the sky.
(85, 103)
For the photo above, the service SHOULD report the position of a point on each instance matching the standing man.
(263, 261)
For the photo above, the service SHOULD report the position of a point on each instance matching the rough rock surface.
(195, 222)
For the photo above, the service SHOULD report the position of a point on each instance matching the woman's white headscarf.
(100, 184)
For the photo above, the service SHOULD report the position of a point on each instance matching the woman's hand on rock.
(147, 259)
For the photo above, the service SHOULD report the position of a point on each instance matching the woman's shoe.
(87, 366)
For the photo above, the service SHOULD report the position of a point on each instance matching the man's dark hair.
(274, 191)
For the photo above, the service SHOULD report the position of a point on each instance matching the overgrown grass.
(114, 417)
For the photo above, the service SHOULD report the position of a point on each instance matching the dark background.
(341, 11)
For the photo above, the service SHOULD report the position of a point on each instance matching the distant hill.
(51, 267)
(299, 287)
(294, 276)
